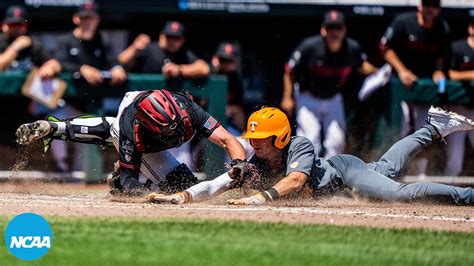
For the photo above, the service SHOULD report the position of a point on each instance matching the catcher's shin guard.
(179, 179)
(80, 132)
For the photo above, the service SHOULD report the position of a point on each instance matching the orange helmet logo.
(253, 125)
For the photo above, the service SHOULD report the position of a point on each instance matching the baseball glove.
(243, 174)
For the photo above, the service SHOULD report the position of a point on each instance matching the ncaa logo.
(28, 236)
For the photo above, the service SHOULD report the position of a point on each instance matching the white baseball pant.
(314, 114)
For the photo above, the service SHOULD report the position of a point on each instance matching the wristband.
(271, 194)
(187, 196)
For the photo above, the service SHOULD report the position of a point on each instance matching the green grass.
(128, 241)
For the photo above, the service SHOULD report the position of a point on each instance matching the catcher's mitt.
(243, 173)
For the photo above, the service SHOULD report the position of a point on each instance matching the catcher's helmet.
(268, 122)
(159, 113)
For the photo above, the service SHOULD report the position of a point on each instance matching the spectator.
(20, 52)
(462, 69)
(415, 45)
(320, 66)
(84, 53)
(168, 56)
(227, 61)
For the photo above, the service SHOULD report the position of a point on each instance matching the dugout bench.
(213, 91)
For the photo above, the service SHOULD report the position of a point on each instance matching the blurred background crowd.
(309, 63)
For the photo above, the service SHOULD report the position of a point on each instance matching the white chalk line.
(100, 203)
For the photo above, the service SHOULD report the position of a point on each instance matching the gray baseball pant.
(377, 179)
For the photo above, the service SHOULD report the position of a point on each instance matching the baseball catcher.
(277, 154)
(147, 125)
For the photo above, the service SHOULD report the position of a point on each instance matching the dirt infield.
(82, 200)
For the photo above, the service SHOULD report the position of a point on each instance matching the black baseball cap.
(228, 51)
(431, 3)
(15, 14)
(174, 29)
(334, 18)
(87, 9)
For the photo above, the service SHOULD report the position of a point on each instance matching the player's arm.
(197, 69)
(293, 182)
(392, 38)
(50, 69)
(12, 51)
(287, 101)
(406, 76)
(461, 75)
(366, 68)
(199, 192)
(222, 138)
(438, 74)
(126, 57)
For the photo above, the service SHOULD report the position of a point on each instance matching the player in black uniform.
(86, 54)
(148, 124)
(415, 45)
(168, 56)
(227, 61)
(320, 66)
(462, 69)
(20, 52)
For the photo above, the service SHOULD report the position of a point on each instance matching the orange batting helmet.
(267, 122)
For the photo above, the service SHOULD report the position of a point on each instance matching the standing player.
(286, 164)
(415, 45)
(147, 125)
(462, 69)
(321, 66)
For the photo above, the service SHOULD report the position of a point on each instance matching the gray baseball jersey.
(298, 156)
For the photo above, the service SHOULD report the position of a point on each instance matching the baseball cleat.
(447, 122)
(27, 133)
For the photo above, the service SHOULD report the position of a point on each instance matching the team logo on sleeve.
(210, 123)
(293, 165)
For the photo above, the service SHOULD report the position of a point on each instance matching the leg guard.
(80, 129)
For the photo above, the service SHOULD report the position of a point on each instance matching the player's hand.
(91, 75)
(242, 172)
(21, 42)
(177, 198)
(437, 76)
(171, 70)
(407, 78)
(256, 199)
(118, 75)
(287, 105)
(46, 72)
(141, 42)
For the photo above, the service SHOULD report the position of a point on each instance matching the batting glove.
(177, 198)
(256, 199)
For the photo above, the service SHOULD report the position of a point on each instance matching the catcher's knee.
(179, 179)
